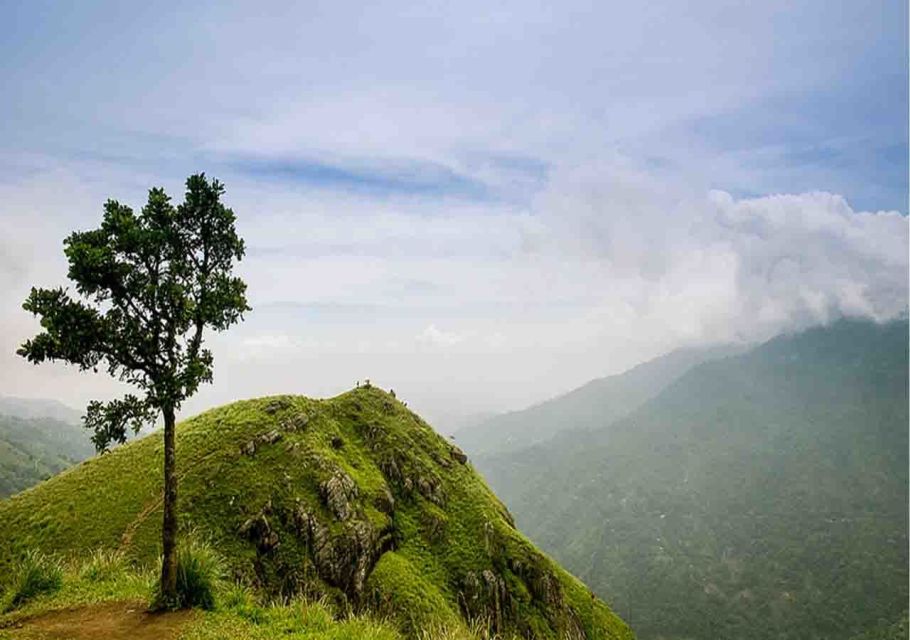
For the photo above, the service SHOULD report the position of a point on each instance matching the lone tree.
(148, 287)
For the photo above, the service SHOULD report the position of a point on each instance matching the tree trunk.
(169, 527)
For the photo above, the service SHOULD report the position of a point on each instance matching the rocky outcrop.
(270, 437)
(458, 455)
(408, 479)
(344, 556)
(258, 529)
(296, 422)
(337, 493)
(484, 596)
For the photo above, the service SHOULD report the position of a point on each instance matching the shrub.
(199, 571)
(35, 574)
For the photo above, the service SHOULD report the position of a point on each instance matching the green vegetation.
(33, 575)
(353, 501)
(147, 289)
(887, 631)
(759, 496)
(33, 449)
(199, 572)
(239, 613)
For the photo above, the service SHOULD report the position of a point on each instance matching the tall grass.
(200, 572)
(33, 575)
(103, 565)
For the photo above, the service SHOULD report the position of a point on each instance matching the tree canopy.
(147, 286)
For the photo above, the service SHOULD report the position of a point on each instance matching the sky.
(480, 205)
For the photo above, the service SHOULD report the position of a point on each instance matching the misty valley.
(723, 492)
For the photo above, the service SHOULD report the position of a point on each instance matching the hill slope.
(354, 497)
(758, 496)
(593, 405)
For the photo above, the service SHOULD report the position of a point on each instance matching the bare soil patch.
(112, 620)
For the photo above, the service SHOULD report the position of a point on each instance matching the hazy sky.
(477, 204)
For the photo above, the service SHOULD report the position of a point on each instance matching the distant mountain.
(34, 449)
(38, 439)
(758, 496)
(593, 405)
(38, 408)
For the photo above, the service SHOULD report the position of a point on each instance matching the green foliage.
(35, 574)
(240, 615)
(887, 630)
(147, 285)
(297, 619)
(759, 496)
(200, 570)
(254, 477)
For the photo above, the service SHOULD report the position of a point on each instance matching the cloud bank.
(710, 266)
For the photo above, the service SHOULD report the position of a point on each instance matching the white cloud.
(712, 266)
(435, 337)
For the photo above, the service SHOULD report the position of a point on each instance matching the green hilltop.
(353, 499)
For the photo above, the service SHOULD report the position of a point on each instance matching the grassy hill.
(593, 405)
(757, 496)
(354, 499)
(35, 448)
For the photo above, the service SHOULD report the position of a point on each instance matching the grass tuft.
(102, 565)
(34, 575)
(200, 572)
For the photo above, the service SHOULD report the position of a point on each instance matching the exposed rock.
(297, 422)
(270, 438)
(434, 526)
(541, 582)
(445, 463)
(343, 560)
(430, 488)
(276, 405)
(337, 493)
(258, 529)
(385, 502)
(484, 596)
(458, 455)
(249, 449)
(390, 469)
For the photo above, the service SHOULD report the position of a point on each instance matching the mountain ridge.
(596, 403)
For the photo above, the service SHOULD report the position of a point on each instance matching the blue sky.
(798, 95)
(488, 184)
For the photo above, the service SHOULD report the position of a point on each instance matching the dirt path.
(112, 620)
(127, 538)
